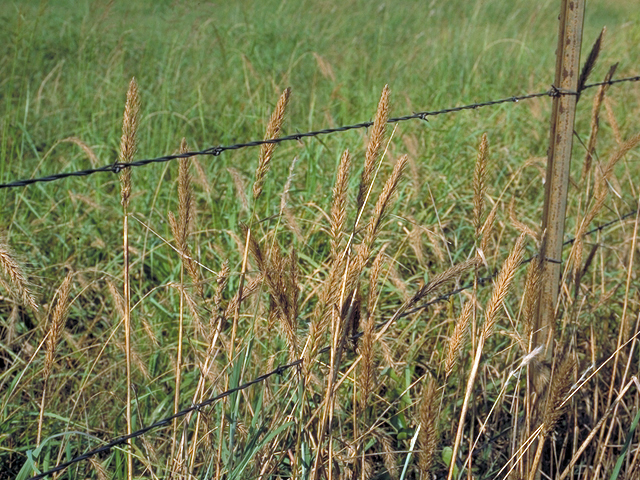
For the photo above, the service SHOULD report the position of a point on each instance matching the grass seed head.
(266, 150)
(375, 145)
(128, 141)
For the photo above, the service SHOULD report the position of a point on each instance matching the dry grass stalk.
(266, 150)
(13, 270)
(367, 377)
(531, 296)
(428, 436)
(502, 286)
(518, 225)
(129, 142)
(600, 195)
(487, 229)
(439, 280)
(388, 191)
(57, 317)
(373, 148)
(222, 281)
(560, 387)
(612, 121)
(480, 183)
(238, 182)
(595, 122)
(128, 147)
(389, 457)
(339, 203)
(457, 338)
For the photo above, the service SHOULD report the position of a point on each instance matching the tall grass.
(292, 249)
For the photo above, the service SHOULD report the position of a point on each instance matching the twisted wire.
(217, 150)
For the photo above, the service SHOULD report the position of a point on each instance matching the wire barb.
(217, 151)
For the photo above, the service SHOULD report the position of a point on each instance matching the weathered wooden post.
(558, 163)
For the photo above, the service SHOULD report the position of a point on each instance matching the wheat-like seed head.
(442, 278)
(532, 287)
(428, 436)
(100, 470)
(13, 270)
(367, 378)
(128, 142)
(185, 197)
(560, 386)
(57, 318)
(612, 121)
(387, 194)
(238, 183)
(266, 150)
(457, 338)
(339, 204)
(518, 225)
(375, 144)
(390, 457)
(281, 276)
(487, 228)
(502, 286)
(479, 183)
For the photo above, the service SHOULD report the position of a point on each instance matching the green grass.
(212, 73)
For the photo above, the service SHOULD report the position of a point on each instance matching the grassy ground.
(213, 74)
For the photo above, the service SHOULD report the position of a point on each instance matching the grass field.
(256, 258)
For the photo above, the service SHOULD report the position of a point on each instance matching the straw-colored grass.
(386, 263)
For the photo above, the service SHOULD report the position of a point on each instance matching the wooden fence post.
(558, 163)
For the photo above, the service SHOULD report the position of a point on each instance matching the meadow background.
(212, 72)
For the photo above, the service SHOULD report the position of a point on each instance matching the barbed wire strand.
(216, 151)
(282, 368)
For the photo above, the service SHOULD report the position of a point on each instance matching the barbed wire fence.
(116, 167)
(218, 150)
